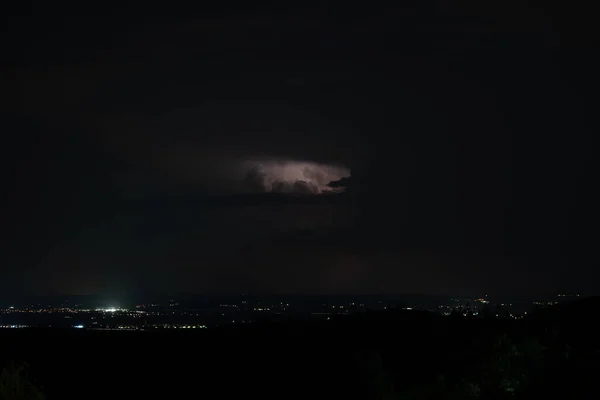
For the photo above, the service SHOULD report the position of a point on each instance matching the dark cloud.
(341, 183)
(255, 180)
(296, 187)
(303, 187)
(281, 187)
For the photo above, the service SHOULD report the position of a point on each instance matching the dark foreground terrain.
(555, 353)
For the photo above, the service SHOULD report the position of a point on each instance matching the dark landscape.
(394, 353)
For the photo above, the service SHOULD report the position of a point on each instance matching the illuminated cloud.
(287, 176)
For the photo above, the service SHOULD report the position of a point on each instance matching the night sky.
(430, 148)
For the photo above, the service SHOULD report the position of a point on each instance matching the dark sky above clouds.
(142, 150)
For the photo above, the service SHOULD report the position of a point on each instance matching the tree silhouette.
(16, 385)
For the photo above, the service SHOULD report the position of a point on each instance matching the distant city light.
(235, 311)
(109, 309)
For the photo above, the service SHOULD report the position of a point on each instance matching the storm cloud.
(298, 177)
